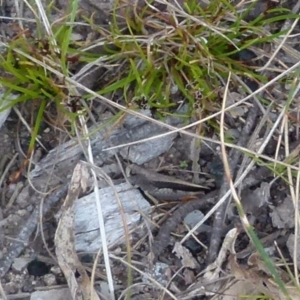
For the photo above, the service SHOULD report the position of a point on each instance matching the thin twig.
(234, 155)
(162, 239)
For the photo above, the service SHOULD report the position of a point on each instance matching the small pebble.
(20, 263)
(160, 274)
(50, 279)
(56, 270)
(22, 212)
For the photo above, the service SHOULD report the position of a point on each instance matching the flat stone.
(57, 294)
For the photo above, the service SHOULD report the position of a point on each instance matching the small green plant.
(165, 58)
(183, 164)
(160, 60)
(34, 68)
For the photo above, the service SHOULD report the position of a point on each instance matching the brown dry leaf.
(258, 263)
(253, 201)
(277, 294)
(80, 287)
(213, 282)
(189, 277)
(249, 276)
(186, 257)
(260, 282)
(213, 272)
(283, 214)
(246, 281)
(237, 291)
(293, 245)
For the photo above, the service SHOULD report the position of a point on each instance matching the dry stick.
(23, 238)
(216, 235)
(162, 239)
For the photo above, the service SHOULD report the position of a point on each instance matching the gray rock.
(20, 263)
(57, 294)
